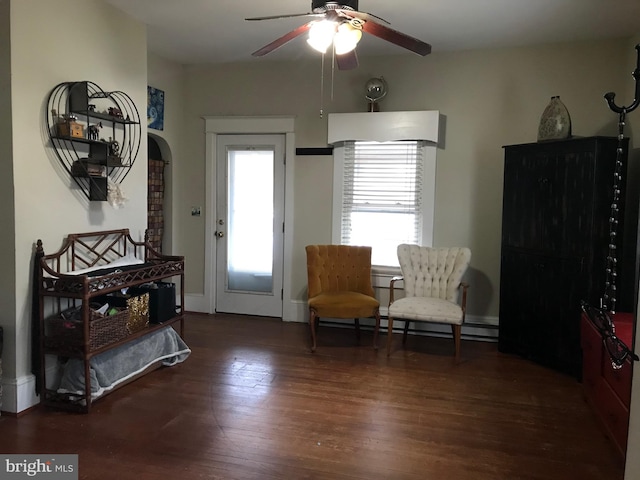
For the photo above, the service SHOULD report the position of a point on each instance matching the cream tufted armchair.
(339, 281)
(432, 284)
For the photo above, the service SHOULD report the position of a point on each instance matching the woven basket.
(65, 330)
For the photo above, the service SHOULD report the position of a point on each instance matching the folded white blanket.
(121, 262)
(115, 366)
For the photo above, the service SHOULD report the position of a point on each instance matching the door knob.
(219, 234)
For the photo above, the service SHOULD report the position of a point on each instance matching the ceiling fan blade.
(364, 16)
(347, 61)
(398, 38)
(282, 40)
(273, 17)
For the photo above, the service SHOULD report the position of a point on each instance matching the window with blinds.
(382, 201)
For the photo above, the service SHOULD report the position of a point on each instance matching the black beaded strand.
(609, 298)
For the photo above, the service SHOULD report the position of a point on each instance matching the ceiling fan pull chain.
(322, 86)
(333, 68)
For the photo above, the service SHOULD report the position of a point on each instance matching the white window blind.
(382, 202)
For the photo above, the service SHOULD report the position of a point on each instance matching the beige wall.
(490, 98)
(45, 206)
(169, 77)
(7, 216)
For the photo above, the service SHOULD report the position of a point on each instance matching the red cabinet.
(607, 390)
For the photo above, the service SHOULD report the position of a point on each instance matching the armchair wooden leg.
(358, 329)
(406, 331)
(376, 329)
(389, 335)
(313, 323)
(457, 330)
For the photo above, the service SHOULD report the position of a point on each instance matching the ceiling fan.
(341, 24)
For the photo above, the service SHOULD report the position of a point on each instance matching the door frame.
(215, 126)
(260, 299)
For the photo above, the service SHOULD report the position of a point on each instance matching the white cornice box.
(383, 126)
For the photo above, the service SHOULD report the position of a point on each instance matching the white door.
(250, 224)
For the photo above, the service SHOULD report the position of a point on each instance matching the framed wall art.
(155, 108)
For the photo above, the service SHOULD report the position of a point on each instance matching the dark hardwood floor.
(252, 402)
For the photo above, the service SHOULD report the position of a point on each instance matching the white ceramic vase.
(555, 123)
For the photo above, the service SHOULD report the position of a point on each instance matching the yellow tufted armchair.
(339, 281)
(434, 291)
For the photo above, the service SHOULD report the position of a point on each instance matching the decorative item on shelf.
(94, 131)
(115, 112)
(115, 195)
(113, 154)
(376, 89)
(68, 126)
(86, 167)
(114, 147)
(138, 307)
(555, 123)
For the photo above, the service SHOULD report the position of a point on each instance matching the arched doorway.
(158, 220)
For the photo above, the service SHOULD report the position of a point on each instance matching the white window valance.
(383, 126)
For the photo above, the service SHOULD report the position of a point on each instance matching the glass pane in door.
(250, 220)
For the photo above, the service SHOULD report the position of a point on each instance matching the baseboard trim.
(19, 394)
(196, 303)
(480, 333)
(19, 414)
(475, 327)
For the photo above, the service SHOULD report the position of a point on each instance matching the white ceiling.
(214, 31)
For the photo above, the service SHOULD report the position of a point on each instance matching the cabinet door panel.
(527, 190)
(547, 203)
(574, 209)
(540, 310)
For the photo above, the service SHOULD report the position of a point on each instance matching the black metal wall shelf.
(95, 134)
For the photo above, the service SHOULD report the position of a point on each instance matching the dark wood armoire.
(555, 237)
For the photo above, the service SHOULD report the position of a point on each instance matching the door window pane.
(250, 217)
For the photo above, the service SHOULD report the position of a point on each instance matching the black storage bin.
(162, 300)
(117, 299)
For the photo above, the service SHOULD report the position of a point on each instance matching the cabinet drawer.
(591, 344)
(619, 380)
(590, 338)
(614, 415)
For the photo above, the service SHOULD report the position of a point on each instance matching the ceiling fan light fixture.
(346, 38)
(331, 15)
(321, 35)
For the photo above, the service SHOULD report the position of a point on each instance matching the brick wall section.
(155, 221)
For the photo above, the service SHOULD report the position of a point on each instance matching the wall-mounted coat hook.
(610, 96)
